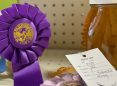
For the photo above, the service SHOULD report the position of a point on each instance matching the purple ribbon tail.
(29, 75)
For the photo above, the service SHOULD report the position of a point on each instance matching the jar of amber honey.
(100, 28)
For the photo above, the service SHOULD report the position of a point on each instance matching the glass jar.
(100, 29)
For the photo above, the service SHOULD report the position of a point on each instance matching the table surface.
(53, 58)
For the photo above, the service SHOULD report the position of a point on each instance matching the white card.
(94, 68)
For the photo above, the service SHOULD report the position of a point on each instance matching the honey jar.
(100, 28)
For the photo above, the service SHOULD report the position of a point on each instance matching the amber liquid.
(100, 31)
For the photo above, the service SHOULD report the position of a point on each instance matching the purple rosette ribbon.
(24, 34)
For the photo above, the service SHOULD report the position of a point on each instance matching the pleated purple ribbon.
(24, 34)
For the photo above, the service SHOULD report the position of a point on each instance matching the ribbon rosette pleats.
(24, 34)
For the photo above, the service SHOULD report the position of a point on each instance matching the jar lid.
(102, 1)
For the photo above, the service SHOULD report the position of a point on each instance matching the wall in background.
(6, 3)
(66, 18)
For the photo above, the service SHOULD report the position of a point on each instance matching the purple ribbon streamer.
(30, 75)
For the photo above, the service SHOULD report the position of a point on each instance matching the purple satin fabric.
(29, 75)
(24, 58)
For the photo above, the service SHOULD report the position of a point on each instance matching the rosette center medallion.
(23, 33)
